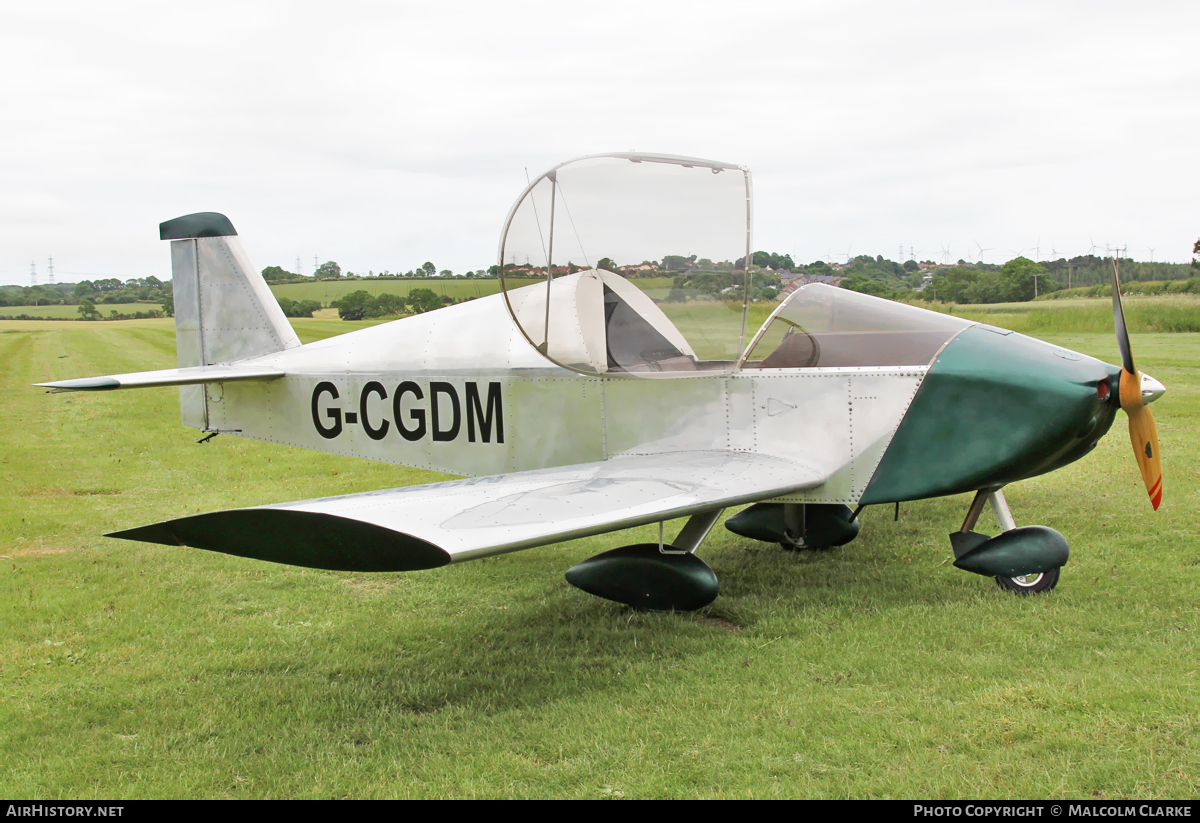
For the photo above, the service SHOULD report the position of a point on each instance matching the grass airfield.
(129, 670)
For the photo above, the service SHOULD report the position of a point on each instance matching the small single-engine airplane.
(590, 396)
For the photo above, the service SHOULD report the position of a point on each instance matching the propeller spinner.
(1136, 391)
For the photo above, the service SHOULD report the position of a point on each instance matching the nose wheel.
(1024, 560)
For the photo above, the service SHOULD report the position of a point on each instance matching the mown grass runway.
(876, 670)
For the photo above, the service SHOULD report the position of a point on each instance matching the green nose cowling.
(994, 408)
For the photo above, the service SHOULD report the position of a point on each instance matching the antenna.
(32, 273)
(51, 267)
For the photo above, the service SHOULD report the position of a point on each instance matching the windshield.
(821, 326)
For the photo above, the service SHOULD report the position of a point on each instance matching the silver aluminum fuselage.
(502, 407)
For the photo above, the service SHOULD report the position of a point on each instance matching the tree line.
(330, 270)
(360, 305)
(107, 290)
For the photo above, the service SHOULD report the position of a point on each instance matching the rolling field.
(459, 288)
(131, 670)
(71, 312)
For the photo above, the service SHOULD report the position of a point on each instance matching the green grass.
(876, 670)
(1143, 313)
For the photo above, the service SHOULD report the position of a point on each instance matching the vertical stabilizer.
(224, 311)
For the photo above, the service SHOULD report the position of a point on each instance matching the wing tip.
(82, 384)
(314, 540)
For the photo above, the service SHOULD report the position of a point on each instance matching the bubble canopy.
(632, 264)
(822, 326)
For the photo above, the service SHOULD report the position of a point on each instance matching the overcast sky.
(381, 135)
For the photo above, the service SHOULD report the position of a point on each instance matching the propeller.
(1142, 432)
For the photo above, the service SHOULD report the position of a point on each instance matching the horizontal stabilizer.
(164, 377)
(426, 526)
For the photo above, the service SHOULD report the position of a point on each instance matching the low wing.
(164, 377)
(422, 527)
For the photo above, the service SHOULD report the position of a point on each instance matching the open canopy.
(631, 263)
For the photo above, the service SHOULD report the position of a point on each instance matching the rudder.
(224, 311)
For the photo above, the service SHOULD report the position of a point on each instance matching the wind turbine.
(946, 254)
(981, 249)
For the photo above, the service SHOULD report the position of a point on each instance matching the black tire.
(1030, 583)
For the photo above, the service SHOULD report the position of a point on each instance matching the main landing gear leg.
(795, 526)
(1025, 560)
(660, 577)
(794, 530)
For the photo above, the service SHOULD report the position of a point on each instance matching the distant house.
(804, 279)
(640, 269)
